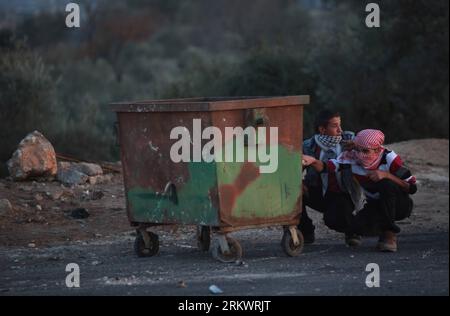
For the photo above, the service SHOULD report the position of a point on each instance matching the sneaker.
(352, 240)
(387, 242)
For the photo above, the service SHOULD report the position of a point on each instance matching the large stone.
(90, 169)
(77, 173)
(69, 175)
(35, 157)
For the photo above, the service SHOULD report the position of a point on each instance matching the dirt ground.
(52, 224)
(39, 233)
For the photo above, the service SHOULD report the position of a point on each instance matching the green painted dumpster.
(222, 164)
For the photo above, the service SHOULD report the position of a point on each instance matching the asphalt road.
(328, 267)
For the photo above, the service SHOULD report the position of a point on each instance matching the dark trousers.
(377, 215)
(314, 199)
(380, 215)
(338, 214)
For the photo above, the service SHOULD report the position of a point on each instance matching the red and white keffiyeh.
(369, 138)
(369, 149)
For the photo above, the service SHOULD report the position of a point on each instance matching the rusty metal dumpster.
(216, 194)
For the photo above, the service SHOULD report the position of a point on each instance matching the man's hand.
(308, 160)
(377, 175)
(313, 162)
(348, 145)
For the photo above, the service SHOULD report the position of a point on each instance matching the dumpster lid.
(208, 104)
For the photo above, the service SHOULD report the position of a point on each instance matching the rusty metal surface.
(148, 171)
(221, 194)
(248, 197)
(207, 104)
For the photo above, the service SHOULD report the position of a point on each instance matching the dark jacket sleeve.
(312, 178)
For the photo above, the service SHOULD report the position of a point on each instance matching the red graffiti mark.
(230, 192)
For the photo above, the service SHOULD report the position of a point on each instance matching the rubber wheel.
(203, 237)
(139, 245)
(235, 251)
(288, 244)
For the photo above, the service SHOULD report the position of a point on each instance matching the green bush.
(27, 97)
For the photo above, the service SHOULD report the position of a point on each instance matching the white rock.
(5, 206)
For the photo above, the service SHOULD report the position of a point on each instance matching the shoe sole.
(384, 248)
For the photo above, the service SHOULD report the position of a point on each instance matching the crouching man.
(328, 143)
(377, 172)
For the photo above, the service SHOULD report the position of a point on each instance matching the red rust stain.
(230, 192)
(298, 206)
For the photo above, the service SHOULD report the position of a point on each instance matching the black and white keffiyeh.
(331, 148)
(328, 141)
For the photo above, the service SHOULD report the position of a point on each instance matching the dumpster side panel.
(158, 190)
(249, 197)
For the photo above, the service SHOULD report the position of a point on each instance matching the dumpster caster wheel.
(233, 254)
(290, 247)
(203, 237)
(146, 244)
